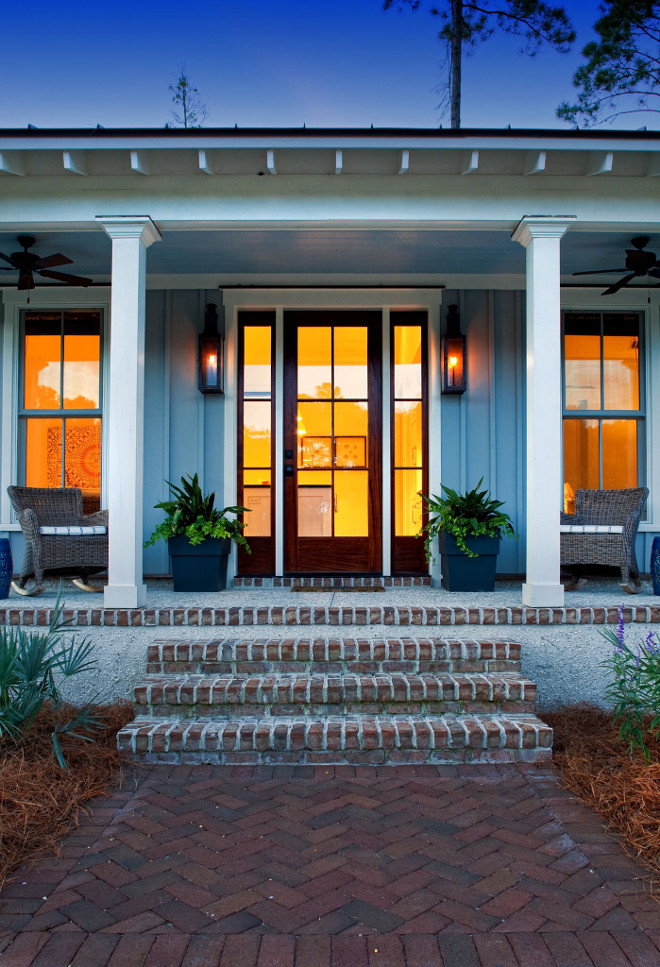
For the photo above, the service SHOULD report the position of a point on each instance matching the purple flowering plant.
(635, 687)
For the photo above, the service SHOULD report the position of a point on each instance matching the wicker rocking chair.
(59, 538)
(603, 531)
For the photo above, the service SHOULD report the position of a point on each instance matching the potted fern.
(199, 536)
(469, 527)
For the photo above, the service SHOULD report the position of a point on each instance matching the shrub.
(30, 662)
(635, 689)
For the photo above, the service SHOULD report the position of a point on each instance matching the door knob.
(288, 470)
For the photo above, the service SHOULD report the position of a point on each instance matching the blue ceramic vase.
(6, 565)
(655, 565)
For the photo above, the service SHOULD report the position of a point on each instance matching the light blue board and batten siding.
(483, 431)
(184, 431)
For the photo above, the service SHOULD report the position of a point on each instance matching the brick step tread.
(332, 654)
(283, 694)
(341, 739)
(335, 582)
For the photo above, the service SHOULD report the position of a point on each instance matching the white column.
(131, 236)
(541, 237)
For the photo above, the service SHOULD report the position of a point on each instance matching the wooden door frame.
(296, 560)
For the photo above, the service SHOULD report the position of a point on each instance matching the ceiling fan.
(638, 264)
(26, 264)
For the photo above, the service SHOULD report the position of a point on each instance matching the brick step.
(282, 694)
(364, 739)
(331, 582)
(331, 655)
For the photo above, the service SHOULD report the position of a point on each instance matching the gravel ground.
(564, 660)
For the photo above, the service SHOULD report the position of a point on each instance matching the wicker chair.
(59, 538)
(603, 531)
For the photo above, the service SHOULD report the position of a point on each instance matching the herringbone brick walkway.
(409, 866)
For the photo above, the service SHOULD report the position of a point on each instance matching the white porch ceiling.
(396, 255)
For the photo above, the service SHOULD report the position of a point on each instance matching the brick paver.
(285, 866)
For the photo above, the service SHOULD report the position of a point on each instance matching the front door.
(332, 442)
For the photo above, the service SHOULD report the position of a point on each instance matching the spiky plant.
(471, 514)
(31, 664)
(195, 515)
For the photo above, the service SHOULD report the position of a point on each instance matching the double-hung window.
(604, 416)
(61, 401)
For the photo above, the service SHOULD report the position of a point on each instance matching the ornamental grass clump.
(193, 514)
(471, 514)
(31, 664)
(635, 689)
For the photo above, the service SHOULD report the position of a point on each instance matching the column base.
(124, 596)
(543, 595)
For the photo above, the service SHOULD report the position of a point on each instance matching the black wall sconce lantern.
(211, 355)
(454, 367)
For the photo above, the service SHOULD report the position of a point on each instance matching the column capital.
(541, 226)
(130, 226)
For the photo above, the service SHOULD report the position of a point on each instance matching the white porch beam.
(534, 162)
(470, 162)
(600, 163)
(12, 163)
(204, 162)
(139, 163)
(541, 238)
(75, 162)
(131, 236)
(404, 167)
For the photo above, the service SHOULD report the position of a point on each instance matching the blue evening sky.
(267, 63)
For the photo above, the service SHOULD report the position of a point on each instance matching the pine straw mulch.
(39, 801)
(595, 765)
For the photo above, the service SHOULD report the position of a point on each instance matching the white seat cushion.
(75, 530)
(591, 528)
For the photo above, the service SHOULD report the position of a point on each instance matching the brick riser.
(342, 740)
(336, 701)
(318, 694)
(332, 655)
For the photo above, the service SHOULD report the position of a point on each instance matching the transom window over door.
(604, 417)
(60, 414)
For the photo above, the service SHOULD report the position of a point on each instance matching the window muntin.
(603, 402)
(60, 419)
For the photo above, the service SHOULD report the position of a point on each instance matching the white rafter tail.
(339, 162)
(601, 163)
(12, 163)
(535, 162)
(270, 162)
(653, 170)
(204, 162)
(405, 162)
(75, 162)
(470, 162)
(139, 163)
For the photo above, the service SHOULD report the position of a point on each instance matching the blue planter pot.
(655, 565)
(199, 567)
(6, 567)
(463, 573)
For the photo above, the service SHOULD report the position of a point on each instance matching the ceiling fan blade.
(51, 261)
(600, 271)
(25, 280)
(620, 284)
(62, 277)
(6, 258)
(655, 272)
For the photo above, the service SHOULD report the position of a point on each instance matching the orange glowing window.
(60, 417)
(604, 417)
